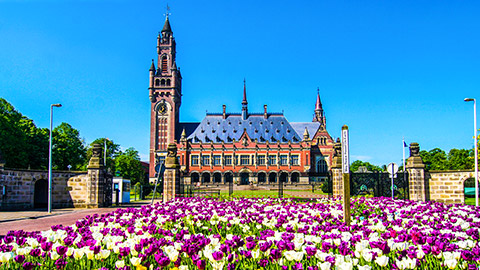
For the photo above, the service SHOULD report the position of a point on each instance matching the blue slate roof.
(214, 128)
(189, 129)
(312, 128)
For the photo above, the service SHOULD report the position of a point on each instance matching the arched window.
(168, 82)
(157, 82)
(162, 82)
(164, 63)
(322, 166)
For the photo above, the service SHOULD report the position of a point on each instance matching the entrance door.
(244, 179)
(40, 194)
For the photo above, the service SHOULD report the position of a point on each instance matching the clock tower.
(165, 92)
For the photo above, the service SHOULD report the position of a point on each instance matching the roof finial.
(167, 13)
(244, 101)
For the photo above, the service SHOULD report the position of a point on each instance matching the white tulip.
(382, 260)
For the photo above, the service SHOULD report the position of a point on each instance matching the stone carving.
(96, 150)
(172, 161)
(96, 161)
(414, 150)
(172, 150)
(337, 149)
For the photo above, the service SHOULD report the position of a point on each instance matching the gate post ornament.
(172, 161)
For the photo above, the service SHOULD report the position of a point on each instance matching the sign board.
(345, 151)
(392, 168)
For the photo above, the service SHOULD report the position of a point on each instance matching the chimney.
(265, 111)
(224, 111)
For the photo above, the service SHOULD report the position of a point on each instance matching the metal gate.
(379, 184)
(107, 189)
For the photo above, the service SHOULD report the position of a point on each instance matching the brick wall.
(447, 186)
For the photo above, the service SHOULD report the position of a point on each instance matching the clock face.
(162, 108)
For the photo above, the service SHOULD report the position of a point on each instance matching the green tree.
(460, 159)
(37, 143)
(13, 143)
(370, 167)
(68, 148)
(128, 165)
(435, 159)
(23, 144)
(113, 150)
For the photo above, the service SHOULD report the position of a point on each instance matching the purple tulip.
(217, 255)
(61, 250)
(28, 265)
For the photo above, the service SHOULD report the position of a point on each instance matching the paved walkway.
(34, 220)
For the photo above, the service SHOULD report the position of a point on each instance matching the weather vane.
(167, 13)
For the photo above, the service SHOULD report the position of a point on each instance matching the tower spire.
(318, 104)
(318, 115)
(166, 26)
(244, 101)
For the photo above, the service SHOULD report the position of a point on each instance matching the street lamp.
(50, 159)
(476, 145)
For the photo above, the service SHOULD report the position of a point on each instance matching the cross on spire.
(167, 13)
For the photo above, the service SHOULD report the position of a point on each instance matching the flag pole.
(404, 174)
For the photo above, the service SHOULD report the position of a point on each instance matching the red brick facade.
(240, 147)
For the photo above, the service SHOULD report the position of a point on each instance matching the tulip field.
(257, 233)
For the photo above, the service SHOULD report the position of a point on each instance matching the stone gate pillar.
(96, 179)
(171, 176)
(337, 176)
(417, 182)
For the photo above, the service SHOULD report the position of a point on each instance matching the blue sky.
(387, 69)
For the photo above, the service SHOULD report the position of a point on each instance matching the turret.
(319, 115)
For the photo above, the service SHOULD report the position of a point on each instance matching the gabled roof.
(214, 128)
(312, 127)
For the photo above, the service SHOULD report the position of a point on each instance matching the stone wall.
(17, 188)
(448, 186)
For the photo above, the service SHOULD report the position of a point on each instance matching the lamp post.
(50, 159)
(475, 144)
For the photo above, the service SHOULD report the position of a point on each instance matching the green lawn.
(469, 201)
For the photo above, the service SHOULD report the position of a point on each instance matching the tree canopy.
(113, 150)
(128, 165)
(68, 148)
(23, 145)
(457, 159)
(370, 167)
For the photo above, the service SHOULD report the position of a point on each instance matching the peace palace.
(246, 148)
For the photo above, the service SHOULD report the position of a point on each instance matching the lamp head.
(469, 99)
(57, 105)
